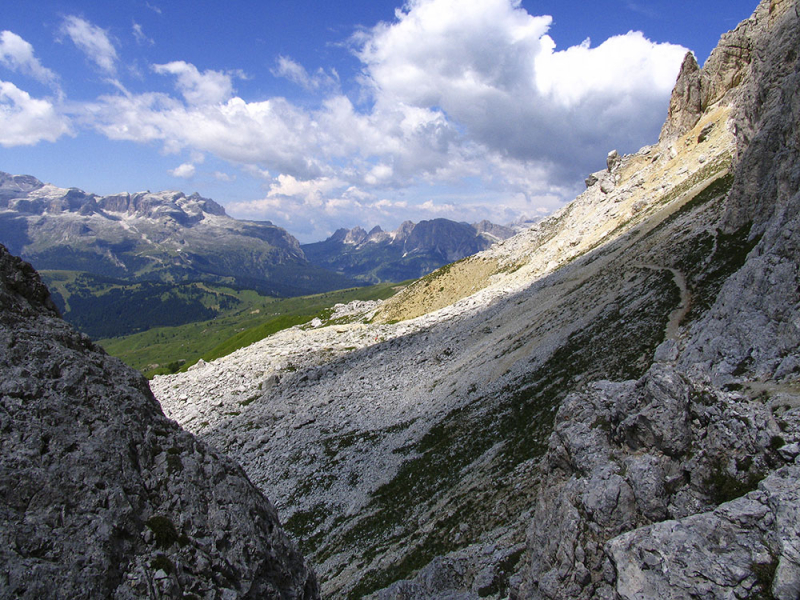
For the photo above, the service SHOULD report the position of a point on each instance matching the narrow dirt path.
(677, 315)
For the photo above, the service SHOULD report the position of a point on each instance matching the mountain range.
(171, 237)
(165, 236)
(125, 263)
(604, 406)
(409, 252)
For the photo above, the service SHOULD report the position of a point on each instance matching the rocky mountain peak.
(13, 186)
(356, 236)
(696, 89)
(412, 250)
(152, 235)
(404, 230)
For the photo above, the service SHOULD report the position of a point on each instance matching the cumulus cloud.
(208, 87)
(296, 73)
(272, 132)
(17, 55)
(25, 121)
(220, 176)
(93, 41)
(493, 69)
(184, 171)
(311, 191)
(449, 90)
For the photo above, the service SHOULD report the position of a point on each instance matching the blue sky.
(319, 115)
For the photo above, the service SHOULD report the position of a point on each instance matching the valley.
(500, 426)
(602, 406)
(250, 318)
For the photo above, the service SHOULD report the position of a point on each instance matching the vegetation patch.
(303, 523)
(723, 487)
(163, 530)
(727, 255)
(163, 563)
(165, 350)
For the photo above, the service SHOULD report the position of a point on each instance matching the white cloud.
(310, 190)
(296, 73)
(454, 89)
(272, 132)
(25, 121)
(185, 171)
(494, 71)
(140, 36)
(17, 55)
(93, 41)
(220, 176)
(208, 87)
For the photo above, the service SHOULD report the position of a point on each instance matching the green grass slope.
(169, 349)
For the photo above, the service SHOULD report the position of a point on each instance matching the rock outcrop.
(101, 496)
(684, 483)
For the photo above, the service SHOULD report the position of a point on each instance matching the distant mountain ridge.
(164, 236)
(410, 251)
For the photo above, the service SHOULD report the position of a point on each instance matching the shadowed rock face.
(102, 496)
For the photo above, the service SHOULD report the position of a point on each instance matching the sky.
(320, 115)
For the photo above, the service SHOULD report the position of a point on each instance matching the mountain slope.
(100, 495)
(165, 236)
(574, 412)
(411, 251)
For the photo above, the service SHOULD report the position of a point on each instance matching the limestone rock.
(685, 105)
(613, 160)
(100, 495)
(745, 548)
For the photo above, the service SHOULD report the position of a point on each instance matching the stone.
(608, 441)
(685, 105)
(100, 494)
(613, 160)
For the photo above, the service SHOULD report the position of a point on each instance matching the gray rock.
(613, 160)
(685, 106)
(414, 449)
(749, 543)
(102, 496)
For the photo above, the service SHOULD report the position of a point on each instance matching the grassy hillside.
(103, 307)
(169, 349)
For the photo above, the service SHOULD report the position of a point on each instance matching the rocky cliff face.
(409, 252)
(605, 406)
(164, 236)
(101, 496)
